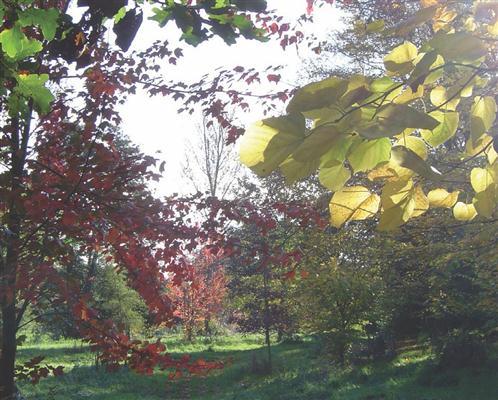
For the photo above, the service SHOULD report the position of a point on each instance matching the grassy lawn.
(299, 373)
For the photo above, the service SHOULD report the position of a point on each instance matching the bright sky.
(153, 123)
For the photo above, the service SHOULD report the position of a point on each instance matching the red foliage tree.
(199, 298)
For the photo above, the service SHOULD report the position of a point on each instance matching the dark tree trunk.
(9, 266)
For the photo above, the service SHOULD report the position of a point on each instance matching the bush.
(462, 350)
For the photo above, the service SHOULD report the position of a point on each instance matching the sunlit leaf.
(352, 203)
(448, 124)
(464, 212)
(333, 175)
(441, 198)
(369, 153)
(483, 114)
(266, 144)
(401, 60)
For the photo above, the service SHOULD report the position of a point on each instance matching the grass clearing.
(300, 372)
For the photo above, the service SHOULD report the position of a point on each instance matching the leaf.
(481, 179)
(46, 19)
(415, 144)
(295, 170)
(317, 143)
(448, 124)
(427, 70)
(375, 26)
(393, 119)
(464, 212)
(483, 114)
(421, 202)
(367, 154)
(398, 204)
(401, 59)
(333, 175)
(266, 144)
(417, 19)
(440, 98)
(16, 45)
(339, 150)
(485, 201)
(460, 46)
(127, 27)
(351, 204)
(317, 95)
(407, 158)
(441, 198)
(33, 86)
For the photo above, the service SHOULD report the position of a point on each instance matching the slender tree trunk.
(267, 321)
(10, 265)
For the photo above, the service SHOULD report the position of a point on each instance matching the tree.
(199, 299)
(210, 163)
(65, 185)
(383, 130)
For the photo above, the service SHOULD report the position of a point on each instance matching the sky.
(153, 122)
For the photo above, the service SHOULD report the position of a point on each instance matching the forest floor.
(300, 372)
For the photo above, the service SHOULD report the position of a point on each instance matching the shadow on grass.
(300, 373)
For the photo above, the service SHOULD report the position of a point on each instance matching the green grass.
(300, 372)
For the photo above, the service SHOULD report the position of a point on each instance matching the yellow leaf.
(464, 212)
(481, 179)
(443, 18)
(421, 202)
(401, 60)
(266, 144)
(428, 3)
(383, 171)
(441, 198)
(483, 114)
(493, 28)
(353, 203)
(415, 144)
(396, 192)
(440, 98)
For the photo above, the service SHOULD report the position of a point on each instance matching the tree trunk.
(267, 321)
(9, 267)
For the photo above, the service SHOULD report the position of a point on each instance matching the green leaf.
(266, 144)
(448, 124)
(459, 46)
(392, 119)
(333, 175)
(17, 45)
(417, 19)
(294, 170)
(318, 95)
(33, 86)
(46, 19)
(483, 115)
(367, 154)
(339, 150)
(318, 142)
(401, 60)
